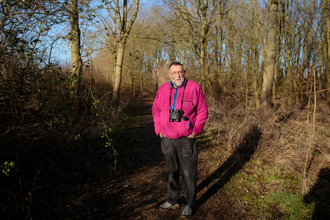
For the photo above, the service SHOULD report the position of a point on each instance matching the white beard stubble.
(177, 83)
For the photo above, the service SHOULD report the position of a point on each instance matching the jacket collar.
(184, 81)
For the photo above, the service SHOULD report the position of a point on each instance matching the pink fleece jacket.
(194, 107)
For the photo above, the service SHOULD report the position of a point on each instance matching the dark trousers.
(181, 156)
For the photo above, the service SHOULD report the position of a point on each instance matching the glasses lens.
(178, 72)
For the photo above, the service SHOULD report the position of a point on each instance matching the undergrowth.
(52, 150)
(270, 183)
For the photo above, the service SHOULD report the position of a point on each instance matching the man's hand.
(161, 135)
(193, 135)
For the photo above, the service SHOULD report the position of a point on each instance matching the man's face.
(177, 75)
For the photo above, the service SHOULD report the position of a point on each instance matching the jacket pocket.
(187, 107)
(188, 104)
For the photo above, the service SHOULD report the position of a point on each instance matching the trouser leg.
(172, 162)
(188, 157)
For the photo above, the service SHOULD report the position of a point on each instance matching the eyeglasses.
(177, 72)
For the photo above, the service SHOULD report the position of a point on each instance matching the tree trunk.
(327, 71)
(203, 69)
(118, 72)
(255, 78)
(75, 52)
(270, 57)
(254, 54)
(124, 30)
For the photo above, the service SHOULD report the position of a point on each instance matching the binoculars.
(176, 115)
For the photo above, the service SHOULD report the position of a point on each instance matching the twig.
(307, 158)
(30, 194)
(325, 154)
(54, 165)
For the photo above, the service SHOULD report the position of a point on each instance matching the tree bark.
(268, 76)
(254, 54)
(124, 30)
(118, 71)
(75, 52)
(327, 68)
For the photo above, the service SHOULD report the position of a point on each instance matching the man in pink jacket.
(180, 112)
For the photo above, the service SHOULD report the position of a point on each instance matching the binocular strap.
(184, 89)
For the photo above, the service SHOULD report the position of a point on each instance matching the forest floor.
(141, 179)
(61, 180)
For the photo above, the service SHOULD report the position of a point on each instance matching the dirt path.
(77, 181)
(141, 186)
(65, 177)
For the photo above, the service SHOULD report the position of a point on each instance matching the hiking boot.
(167, 206)
(187, 212)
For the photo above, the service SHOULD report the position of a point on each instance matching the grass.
(291, 205)
(270, 182)
(269, 191)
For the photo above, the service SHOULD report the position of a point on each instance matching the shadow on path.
(320, 195)
(230, 167)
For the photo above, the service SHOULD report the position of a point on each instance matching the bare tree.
(23, 55)
(266, 99)
(123, 18)
(198, 18)
(228, 52)
(326, 48)
(255, 38)
(75, 50)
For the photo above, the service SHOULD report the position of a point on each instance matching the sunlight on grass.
(273, 175)
(262, 187)
(291, 205)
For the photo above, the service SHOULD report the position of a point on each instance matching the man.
(180, 112)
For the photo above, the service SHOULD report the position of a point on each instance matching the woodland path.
(65, 179)
(142, 180)
(75, 178)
